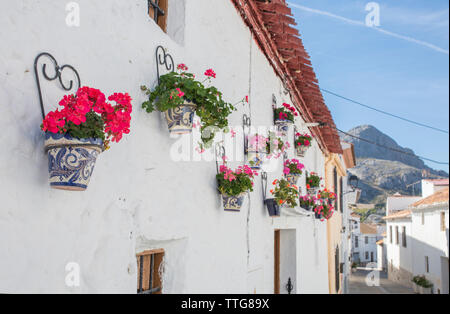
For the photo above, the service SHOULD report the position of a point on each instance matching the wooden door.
(277, 262)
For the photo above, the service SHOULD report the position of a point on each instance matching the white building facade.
(144, 196)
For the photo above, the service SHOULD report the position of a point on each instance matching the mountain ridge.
(383, 172)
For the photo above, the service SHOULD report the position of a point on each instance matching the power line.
(391, 148)
(385, 112)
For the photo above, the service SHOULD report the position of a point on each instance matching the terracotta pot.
(71, 161)
(301, 150)
(272, 207)
(283, 126)
(233, 203)
(292, 178)
(180, 119)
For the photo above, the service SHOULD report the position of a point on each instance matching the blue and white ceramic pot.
(181, 118)
(71, 161)
(313, 191)
(301, 150)
(292, 178)
(317, 215)
(233, 203)
(255, 158)
(283, 126)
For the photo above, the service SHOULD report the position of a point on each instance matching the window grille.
(149, 276)
(157, 9)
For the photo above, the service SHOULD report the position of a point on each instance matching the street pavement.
(358, 285)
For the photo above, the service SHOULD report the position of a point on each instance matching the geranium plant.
(79, 131)
(87, 114)
(286, 113)
(234, 183)
(303, 140)
(307, 201)
(258, 143)
(285, 193)
(324, 210)
(313, 181)
(327, 195)
(293, 167)
(176, 88)
(276, 146)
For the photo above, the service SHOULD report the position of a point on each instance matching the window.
(366, 240)
(442, 221)
(336, 270)
(404, 236)
(149, 272)
(356, 241)
(397, 240)
(423, 218)
(157, 9)
(390, 234)
(427, 264)
(367, 255)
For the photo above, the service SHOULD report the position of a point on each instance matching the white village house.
(364, 239)
(153, 198)
(417, 238)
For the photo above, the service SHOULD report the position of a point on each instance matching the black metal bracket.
(58, 75)
(246, 124)
(163, 59)
(264, 184)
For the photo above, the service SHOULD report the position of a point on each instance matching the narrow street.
(357, 284)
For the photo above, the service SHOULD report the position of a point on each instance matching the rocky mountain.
(384, 172)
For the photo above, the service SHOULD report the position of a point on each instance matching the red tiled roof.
(380, 242)
(271, 24)
(437, 198)
(399, 214)
(439, 182)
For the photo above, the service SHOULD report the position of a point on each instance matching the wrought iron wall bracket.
(163, 59)
(264, 185)
(246, 124)
(58, 75)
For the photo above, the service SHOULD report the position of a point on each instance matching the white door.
(288, 262)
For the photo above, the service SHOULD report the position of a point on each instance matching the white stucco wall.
(429, 188)
(139, 198)
(399, 258)
(429, 240)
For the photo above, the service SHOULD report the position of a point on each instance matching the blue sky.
(402, 68)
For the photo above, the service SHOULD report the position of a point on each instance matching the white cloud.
(360, 23)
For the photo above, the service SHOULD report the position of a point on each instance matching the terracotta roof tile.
(368, 229)
(437, 198)
(380, 242)
(398, 215)
(438, 182)
(274, 29)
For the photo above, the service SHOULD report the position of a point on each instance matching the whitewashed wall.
(429, 240)
(399, 258)
(138, 197)
(396, 203)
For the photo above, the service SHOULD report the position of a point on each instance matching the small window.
(397, 240)
(427, 264)
(366, 240)
(157, 10)
(404, 236)
(150, 272)
(442, 221)
(390, 234)
(367, 255)
(356, 241)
